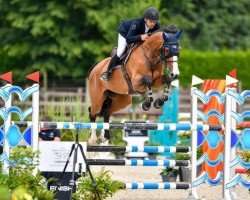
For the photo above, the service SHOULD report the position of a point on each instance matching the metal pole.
(35, 122)
(194, 106)
(7, 123)
(233, 150)
(227, 145)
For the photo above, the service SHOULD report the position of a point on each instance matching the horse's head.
(170, 53)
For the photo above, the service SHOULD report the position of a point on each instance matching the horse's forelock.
(169, 30)
(172, 29)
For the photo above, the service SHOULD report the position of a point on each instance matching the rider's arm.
(132, 36)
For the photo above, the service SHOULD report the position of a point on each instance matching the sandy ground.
(151, 174)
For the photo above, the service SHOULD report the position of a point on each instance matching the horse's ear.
(165, 37)
(178, 34)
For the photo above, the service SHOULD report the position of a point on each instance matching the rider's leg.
(115, 58)
(113, 62)
(122, 44)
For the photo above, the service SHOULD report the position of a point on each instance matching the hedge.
(206, 65)
(214, 65)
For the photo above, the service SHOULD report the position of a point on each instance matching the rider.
(133, 31)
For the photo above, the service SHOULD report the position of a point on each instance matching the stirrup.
(105, 76)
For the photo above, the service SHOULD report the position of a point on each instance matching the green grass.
(70, 111)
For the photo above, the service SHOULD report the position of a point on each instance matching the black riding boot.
(113, 62)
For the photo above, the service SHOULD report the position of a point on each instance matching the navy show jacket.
(132, 30)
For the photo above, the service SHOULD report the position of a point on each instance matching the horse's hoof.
(166, 98)
(107, 135)
(158, 104)
(91, 141)
(145, 107)
(102, 140)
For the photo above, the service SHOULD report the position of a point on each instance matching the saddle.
(125, 56)
(122, 63)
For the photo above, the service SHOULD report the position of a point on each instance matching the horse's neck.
(150, 49)
(153, 45)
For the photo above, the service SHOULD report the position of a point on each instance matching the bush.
(105, 185)
(20, 181)
(169, 171)
(182, 156)
(213, 65)
(185, 138)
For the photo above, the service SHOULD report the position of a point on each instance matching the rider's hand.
(144, 37)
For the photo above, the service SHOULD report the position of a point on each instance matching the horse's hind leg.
(93, 137)
(105, 135)
(106, 106)
(119, 101)
(92, 118)
(94, 109)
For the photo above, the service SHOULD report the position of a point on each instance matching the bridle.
(173, 51)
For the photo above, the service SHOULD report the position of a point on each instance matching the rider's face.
(150, 23)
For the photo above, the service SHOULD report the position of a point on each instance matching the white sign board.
(54, 155)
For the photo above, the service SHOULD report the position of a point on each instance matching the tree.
(211, 25)
(65, 38)
(47, 36)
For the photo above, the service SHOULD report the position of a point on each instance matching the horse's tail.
(91, 68)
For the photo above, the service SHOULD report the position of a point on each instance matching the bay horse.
(144, 69)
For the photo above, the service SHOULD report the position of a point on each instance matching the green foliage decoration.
(20, 181)
(169, 171)
(105, 185)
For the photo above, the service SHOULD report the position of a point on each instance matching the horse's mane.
(172, 29)
(92, 67)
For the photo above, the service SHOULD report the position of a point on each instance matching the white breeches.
(121, 45)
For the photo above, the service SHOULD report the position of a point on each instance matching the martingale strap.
(128, 80)
(131, 91)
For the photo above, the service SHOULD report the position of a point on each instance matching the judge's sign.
(54, 155)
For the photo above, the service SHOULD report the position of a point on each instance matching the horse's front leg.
(158, 103)
(146, 104)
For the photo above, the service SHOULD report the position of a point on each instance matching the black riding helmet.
(152, 13)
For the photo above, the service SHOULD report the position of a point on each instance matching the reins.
(157, 58)
(161, 57)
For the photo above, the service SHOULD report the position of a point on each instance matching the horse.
(142, 71)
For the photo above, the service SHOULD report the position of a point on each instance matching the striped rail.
(135, 162)
(125, 126)
(147, 149)
(157, 186)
